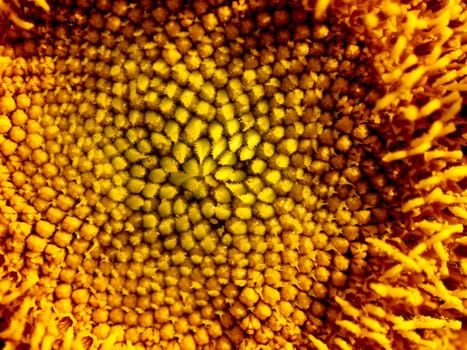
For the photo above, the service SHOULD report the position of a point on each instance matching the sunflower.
(207, 174)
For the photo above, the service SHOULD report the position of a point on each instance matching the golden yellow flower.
(207, 174)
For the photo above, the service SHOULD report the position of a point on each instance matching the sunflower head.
(212, 175)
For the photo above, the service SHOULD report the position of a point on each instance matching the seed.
(80, 296)
(236, 142)
(5, 124)
(195, 82)
(279, 161)
(263, 211)
(227, 158)
(218, 147)
(7, 104)
(193, 130)
(134, 202)
(45, 229)
(119, 163)
(267, 195)
(222, 212)
(171, 55)
(135, 185)
(167, 192)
